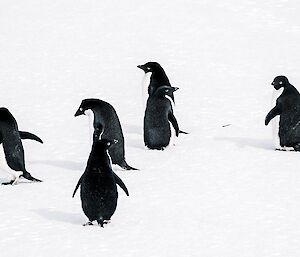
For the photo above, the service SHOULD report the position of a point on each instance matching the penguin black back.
(157, 119)
(107, 125)
(288, 107)
(98, 190)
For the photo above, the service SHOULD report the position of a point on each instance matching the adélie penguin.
(11, 149)
(158, 118)
(288, 109)
(98, 184)
(106, 125)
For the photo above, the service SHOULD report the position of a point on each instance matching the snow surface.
(220, 192)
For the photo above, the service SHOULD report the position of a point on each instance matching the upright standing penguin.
(157, 119)
(155, 77)
(12, 148)
(98, 183)
(107, 125)
(288, 108)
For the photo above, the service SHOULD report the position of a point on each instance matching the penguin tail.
(28, 135)
(101, 221)
(125, 166)
(182, 132)
(28, 176)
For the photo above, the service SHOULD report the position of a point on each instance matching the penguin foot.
(89, 223)
(8, 183)
(297, 147)
(285, 148)
(102, 222)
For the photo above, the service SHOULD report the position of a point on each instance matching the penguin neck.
(91, 117)
(100, 162)
(171, 101)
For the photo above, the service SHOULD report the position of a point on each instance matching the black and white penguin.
(154, 78)
(106, 125)
(288, 108)
(158, 116)
(98, 184)
(11, 148)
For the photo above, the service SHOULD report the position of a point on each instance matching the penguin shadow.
(54, 215)
(252, 142)
(70, 165)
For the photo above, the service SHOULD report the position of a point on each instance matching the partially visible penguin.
(106, 125)
(288, 108)
(98, 184)
(158, 116)
(11, 148)
(155, 77)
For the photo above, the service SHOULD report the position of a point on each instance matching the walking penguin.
(11, 148)
(98, 184)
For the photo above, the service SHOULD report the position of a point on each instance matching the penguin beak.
(273, 83)
(176, 88)
(142, 67)
(79, 112)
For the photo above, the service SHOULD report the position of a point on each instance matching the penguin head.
(5, 114)
(150, 67)
(280, 81)
(86, 104)
(165, 90)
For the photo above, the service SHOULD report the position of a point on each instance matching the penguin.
(98, 185)
(158, 116)
(107, 125)
(155, 77)
(11, 148)
(288, 108)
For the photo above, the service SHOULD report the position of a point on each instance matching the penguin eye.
(280, 82)
(81, 109)
(148, 68)
(167, 90)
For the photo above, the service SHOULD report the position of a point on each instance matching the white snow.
(220, 192)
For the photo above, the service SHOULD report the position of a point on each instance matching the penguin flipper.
(174, 123)
(121, 184)
(78, 184)
(28, 135)
(274, 112)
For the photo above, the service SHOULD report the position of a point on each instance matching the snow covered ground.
(220, 192)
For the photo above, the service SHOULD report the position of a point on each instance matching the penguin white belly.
(173, 132)
(4, 166)
(275, 124)
(145, 85)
